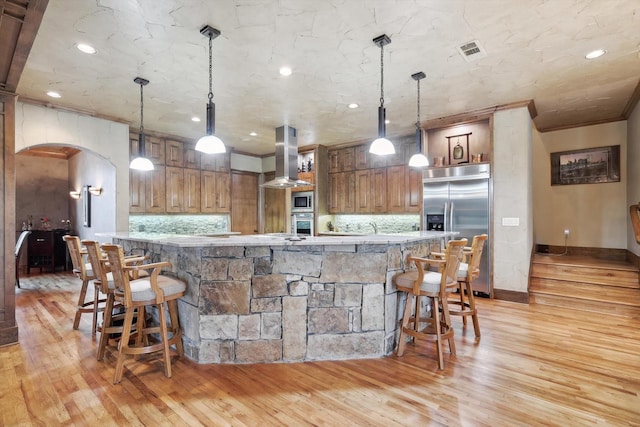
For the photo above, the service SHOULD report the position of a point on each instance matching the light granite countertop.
(277, 239)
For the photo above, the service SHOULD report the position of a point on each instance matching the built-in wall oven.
(302, 223)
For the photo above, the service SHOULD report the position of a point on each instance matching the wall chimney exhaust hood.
(286, 160)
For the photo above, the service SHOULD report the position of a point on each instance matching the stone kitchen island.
(272, 298)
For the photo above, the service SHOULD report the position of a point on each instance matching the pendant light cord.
(382, 75)
(210, 70)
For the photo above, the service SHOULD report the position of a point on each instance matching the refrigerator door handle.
(451, 218)
(446, 211)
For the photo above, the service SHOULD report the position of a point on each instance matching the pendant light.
(141, 162)
(382, 146)
(418, 160)
(210, 143)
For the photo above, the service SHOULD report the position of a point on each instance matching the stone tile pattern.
(179, 224)
(286, 304)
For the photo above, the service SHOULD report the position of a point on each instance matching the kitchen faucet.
(375, 227)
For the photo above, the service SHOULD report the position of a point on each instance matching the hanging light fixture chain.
(210, 69)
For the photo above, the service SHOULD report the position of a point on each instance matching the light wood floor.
(534, 365)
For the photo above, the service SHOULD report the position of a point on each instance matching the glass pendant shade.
(141, 164)
(418, 160)
(210, 144)
(382, 146)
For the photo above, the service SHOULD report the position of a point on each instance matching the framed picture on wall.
(587, 166)
(86, 206)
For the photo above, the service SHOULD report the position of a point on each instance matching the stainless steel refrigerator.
(457, 198)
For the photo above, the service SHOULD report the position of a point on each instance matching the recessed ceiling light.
(285, 71)
(595, 54)
(386, 122)
(53, 94)
(353, 105)
(253, 134)
(83, 47)
(195, 119)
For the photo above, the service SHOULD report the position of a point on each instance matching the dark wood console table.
(46, 249)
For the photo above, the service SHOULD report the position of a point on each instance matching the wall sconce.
(74, 194)
(96, 191)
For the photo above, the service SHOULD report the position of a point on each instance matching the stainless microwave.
(302, 201)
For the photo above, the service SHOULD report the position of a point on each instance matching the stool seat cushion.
(141, 288)
(430, 283)
(463, 270)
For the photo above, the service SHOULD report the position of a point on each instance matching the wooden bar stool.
(433, 285)
(467, 273)
(104, 280)
(154, 290)
(85, 273)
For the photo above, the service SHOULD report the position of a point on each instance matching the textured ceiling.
(534, 50)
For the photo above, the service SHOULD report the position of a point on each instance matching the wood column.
(8, 326)
(19, 23)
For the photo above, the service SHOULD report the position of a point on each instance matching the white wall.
(596, 214)
(512, 198)
(36, 125)
(88, 169)
(633, 168)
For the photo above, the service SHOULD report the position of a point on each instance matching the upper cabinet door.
(175, 189)
(191, 157)
(155, 150)
(174, 152)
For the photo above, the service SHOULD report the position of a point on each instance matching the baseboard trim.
(8, 335)
(513, 296)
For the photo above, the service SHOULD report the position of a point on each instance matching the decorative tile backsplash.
(383, 223)
(179, 224)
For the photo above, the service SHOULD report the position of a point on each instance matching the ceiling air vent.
(471, 51)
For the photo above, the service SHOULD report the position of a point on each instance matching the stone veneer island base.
(262, 298)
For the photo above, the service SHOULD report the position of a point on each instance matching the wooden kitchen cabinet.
(155, 190)
(46, 249)
(342, 192)
(412, 189)
(215, 192)
(137, 193)
(191, 157)
(363, 191)
(365, 160)
(342, 160)
(395, 189)
(192, 196)
(215, 162)
(174, 186)
(379, 190)
(155, 149)
(305, 176)
(174, 153)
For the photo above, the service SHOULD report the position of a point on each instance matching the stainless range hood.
(286, 160)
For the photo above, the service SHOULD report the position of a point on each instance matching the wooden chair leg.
(175, 326)
(402, 341)
(96, 300)
(123, 347)
(474, 312)
(436, 324)
(462, 301)
(106, 324)
(81, 303)
(164, 336)
(447, 321)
